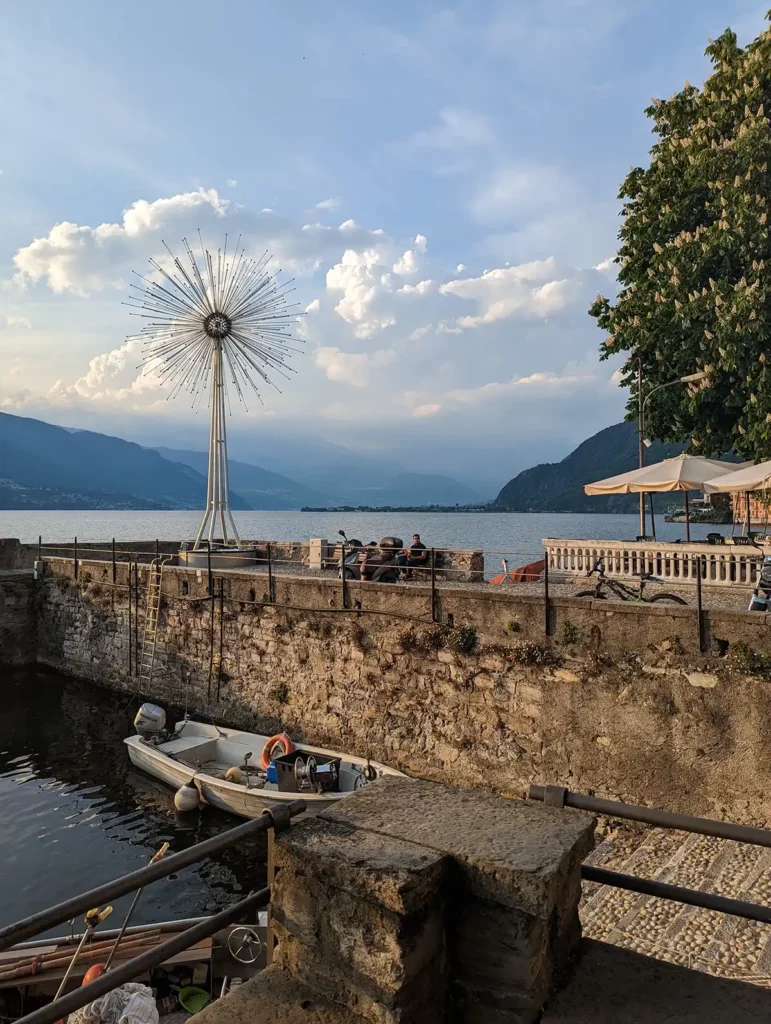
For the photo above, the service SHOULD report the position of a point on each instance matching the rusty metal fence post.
(136, 618)
(130, 634)
(433, 584)
(75, 559)
(546, 609)
(40, 547)
(114, 567)
(271, 583)
(157, 548)
(699, 605)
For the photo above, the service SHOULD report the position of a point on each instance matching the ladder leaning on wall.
(152, 615)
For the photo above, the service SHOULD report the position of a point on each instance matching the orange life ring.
(280, 739)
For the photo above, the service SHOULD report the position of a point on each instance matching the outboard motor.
(150, 723)
(761, 595)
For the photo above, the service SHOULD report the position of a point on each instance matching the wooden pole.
(747, 511)
(687, 518)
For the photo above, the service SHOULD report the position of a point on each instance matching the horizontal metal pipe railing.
(557, 796)
(677, 893)
(277, 817)
(118, 976)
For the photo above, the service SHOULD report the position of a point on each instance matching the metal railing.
(559, 796)
(530, 575)
(277, 818)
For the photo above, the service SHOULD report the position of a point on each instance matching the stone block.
(510, 852)
(274, 997)
(401, 876)
(360, 919)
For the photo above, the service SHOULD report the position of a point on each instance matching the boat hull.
(232, 797)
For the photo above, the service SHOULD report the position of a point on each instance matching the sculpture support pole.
(218, 483)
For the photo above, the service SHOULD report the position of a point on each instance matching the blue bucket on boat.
(272, 774)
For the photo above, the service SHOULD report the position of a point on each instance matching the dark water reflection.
(75, 814)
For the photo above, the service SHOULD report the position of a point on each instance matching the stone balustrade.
(722, 564)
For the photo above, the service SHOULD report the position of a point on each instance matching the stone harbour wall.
(616, 699)
(17, 618)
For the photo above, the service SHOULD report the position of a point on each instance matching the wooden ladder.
(150, 631)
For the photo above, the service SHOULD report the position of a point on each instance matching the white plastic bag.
(129, 1004)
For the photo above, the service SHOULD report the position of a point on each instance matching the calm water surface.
(75, 814)
(504, 532)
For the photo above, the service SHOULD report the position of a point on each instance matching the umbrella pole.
(747, 509)
(687, 519)
(653, 521)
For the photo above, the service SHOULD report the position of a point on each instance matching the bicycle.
(622, 591)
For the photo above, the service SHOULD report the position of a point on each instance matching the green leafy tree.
(695, 260)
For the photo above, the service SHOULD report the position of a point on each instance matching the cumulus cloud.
(530, 289)
(23, 322)
(232, 182)
(333, 203)
(111, 376)
(81, 259)
(353, 368)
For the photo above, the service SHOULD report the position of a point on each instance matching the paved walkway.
(705, 940)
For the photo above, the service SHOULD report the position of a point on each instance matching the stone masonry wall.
(17, 618)
(617, 699)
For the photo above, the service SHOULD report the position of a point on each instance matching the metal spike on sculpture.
(225, 323)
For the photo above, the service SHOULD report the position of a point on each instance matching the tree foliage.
(694, 260)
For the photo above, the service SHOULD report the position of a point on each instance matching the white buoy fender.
(187, 797)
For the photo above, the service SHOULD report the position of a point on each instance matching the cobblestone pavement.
(704, 940)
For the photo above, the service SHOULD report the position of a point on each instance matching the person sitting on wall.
(415, 556)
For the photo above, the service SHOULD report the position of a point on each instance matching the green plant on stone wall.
(744, 659)
(571, 634)
(462, 639)
(359, 636)
(279, 693)
(512, 626)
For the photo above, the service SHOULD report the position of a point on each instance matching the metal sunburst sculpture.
(223, 324)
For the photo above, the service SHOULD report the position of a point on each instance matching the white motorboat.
(224, 766)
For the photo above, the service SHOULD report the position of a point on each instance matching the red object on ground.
(95, 971)
(528, 573)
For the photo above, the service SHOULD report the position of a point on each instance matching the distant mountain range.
(559, 486)
(48, 467)
(259, 488)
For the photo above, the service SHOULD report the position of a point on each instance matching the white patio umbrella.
(745, 478)
(683, 473)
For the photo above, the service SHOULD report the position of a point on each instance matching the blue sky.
(440, 179)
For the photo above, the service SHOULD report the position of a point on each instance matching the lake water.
(75, 814)
(508, 533)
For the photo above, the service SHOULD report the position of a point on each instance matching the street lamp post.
(689, 378)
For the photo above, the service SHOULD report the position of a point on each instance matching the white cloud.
(460, 268)
(423, 411)
(333, 203)
(530, 289)
(112, 376)
(543, 381)
(351, 367)
(457, 129)
(232, 182)
(80, 259)
(18, 321)
(608, 267)
(509, 192)
(360, 277)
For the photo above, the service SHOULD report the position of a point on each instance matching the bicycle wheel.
(666, 598)
(589, 593)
